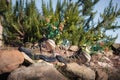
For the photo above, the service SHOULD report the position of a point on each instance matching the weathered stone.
(101, 75)
(109, 53)
(114, 76)
(50, 44)
(73, 48)
(27, 58)
(106, 59)
(42, 62)
(77, 72)
(91, 63)
(10, 60)
(105, 65)
(37, 71)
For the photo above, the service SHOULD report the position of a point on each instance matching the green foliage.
(108, 18)
(23, 22)
(3, 6)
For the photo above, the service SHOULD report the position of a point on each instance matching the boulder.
(37, 71)
(78, 72)
(10, 60)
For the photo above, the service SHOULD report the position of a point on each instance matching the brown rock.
(10, 60)
(73, 48)
(114, 76)
(101, 75)
(105, 65)
(27, 58)
(109, 53)
(37, 71)
(1, 37)
(78, 72)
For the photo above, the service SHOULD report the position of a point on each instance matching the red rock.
(10, 60)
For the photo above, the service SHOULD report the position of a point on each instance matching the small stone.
(73, 48)
(106, 59)
(109, 53)
(1, 32)
(92, 63)
(27, 58)
(105, 65)
(101, 75)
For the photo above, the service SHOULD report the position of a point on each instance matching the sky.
(99, 7)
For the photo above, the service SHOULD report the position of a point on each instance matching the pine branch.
(18, 31)
(88, 22)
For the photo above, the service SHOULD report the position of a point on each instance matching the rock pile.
(19, 66)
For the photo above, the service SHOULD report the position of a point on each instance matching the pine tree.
(78, 21)
(24, 22)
